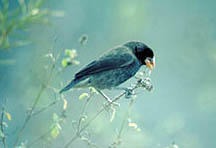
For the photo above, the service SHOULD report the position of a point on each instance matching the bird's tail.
(69, 86)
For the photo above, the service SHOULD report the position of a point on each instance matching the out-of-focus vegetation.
(14, 22)
(181, 109)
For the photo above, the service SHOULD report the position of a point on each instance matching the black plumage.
(114, 67)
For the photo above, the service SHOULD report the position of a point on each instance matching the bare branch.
(2, 127)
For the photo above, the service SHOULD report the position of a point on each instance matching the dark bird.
(114, 67)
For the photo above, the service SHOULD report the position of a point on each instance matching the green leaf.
(55, 131)
(2, 134)
(8, 115)
(72, 53)
(83, 95)
(65, 104)
(67, 52)
(93, 90)
(64, 63)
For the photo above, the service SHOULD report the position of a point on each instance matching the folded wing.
(116, 58)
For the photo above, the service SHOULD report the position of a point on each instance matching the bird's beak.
(150, 63)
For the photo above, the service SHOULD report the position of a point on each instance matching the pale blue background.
(182, 107)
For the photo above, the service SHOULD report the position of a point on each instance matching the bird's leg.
(107, 98)
(129, 91)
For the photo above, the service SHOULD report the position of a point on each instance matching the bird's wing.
(116, 58)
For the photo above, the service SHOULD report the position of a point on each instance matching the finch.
(114, 67)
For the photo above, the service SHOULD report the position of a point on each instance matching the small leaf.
(67, 52)
(65, 104)
(8, 115)
(83, 95)
(64, 63)
(54, 132)
(35, 11)
(50, 55)
(93, 90)
(71, 53)
(55, 118)
(134, 125)
(75, 62)
(1, 134)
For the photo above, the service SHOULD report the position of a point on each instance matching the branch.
(83, 113)
(118, 139)
(45, 107)
(141, 83)
(95, 116)
(37, 99)
(2, 127)
(48, 131)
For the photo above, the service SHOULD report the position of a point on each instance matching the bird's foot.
(146, 84)
(129, 92)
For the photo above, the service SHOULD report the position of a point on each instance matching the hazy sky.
(182, 34)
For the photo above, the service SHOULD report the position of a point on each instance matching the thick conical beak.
(150, 63)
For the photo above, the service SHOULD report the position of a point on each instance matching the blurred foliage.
(83, 95)
(181, 106)
(56, 127)
(70, 54)
(19, 19)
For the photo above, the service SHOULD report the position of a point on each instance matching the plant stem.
(126, 117)
(38, 97)
(83, 112)
(95, 116)
(2, 127)
(41, 137)
(45, 108)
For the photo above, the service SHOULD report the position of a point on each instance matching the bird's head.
(143, 53)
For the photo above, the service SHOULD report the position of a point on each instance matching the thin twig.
(43, 87)
(83, 112)
(2, 127)
(95, 116)
(47, 132)
(124, 120)
(40, 137)
(29, 115)
(45, 107)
